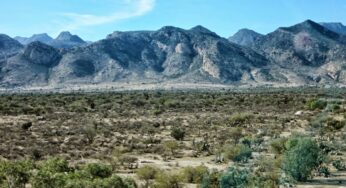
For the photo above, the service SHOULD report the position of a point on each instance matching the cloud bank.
(135, 8)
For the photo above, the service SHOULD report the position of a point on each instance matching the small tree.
(90, 133)
(171, 147)
(302, 156)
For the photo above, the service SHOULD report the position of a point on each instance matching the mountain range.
(306, 53)
(64, 40)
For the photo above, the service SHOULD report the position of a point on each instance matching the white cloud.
(135, 8)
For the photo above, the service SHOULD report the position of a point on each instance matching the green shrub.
(90, 133)
(240, 119)
(324, 171)
(15, 173)
(339, 164)
(171, 147)
(111, 182)
(210, 180)
(98, 170)
(315, 104)
(147, 173)
(335, 125)
(234, 178)
(44, 178)
(278, 145)
(168, 180)
(55, 165)
(51, 173)
(238, 153)
(194, 174)
(302, 156)
(130, 183)
(178, 133)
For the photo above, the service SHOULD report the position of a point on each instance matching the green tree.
(302, 156)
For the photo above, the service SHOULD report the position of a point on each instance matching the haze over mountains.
(306, 53)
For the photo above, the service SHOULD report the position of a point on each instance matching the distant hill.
(64, 40)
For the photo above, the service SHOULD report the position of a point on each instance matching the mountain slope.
(245, 37)
(8, 47)
(169, 54)
(308, 49)
(30, 67)
(336, 27)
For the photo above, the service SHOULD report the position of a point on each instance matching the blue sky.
(94, 19)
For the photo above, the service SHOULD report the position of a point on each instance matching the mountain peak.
(310, 26)
(245, 37)
(67, 36)
(203, 30)
(41, 35)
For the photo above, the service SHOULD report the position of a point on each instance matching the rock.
(299, 113)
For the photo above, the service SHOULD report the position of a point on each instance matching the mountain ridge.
(302, 54)
(64, 40)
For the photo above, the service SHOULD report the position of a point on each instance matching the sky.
(95, 19)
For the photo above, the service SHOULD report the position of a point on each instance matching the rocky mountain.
(167, 55)
(245, 37)
(336, 27)
(44, 38)
(64, 40)
(310, 52)
(306, 53)
(30, 66)
(8, 47)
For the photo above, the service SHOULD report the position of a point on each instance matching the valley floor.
(179, 132)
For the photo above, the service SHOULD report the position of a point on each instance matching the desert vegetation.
(173, 139)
